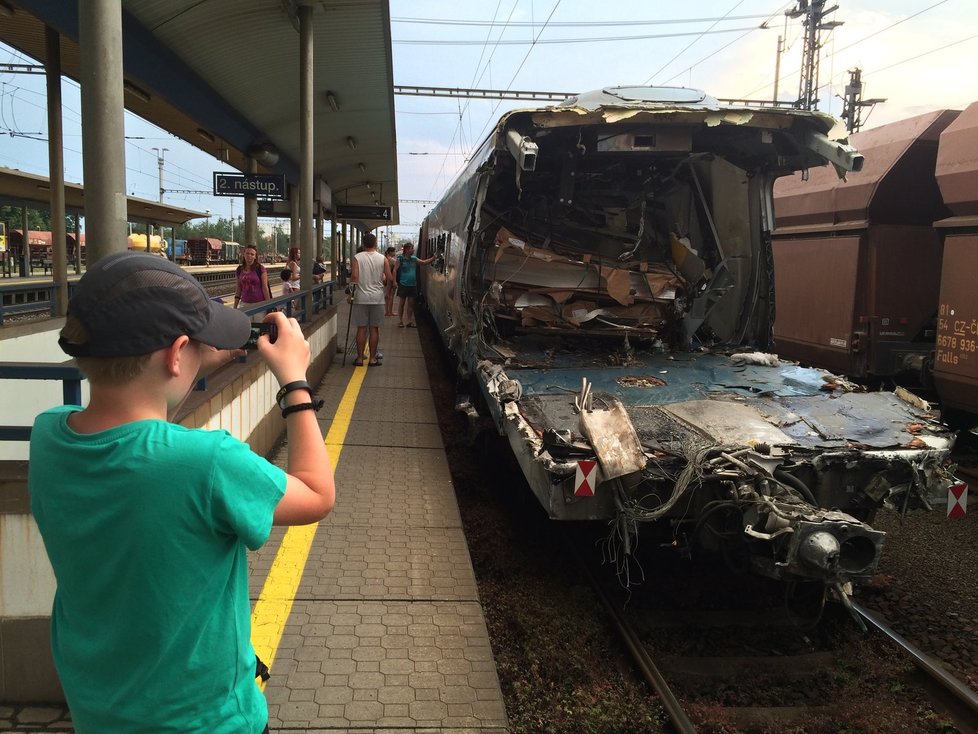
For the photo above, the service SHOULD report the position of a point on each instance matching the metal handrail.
(49, 288)
(69, 374)
(321, 295)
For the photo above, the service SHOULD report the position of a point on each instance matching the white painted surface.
(22, 400)
(26, 579)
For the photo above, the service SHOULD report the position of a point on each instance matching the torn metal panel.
(723, 423)
(614, 440)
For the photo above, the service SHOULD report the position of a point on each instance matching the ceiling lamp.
(352, 142)
(264, 154)
(331, 101)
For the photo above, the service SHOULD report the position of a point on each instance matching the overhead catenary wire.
(837, 51)
(572, 23)
(698, 37)
(722, 48)
(476, 77)
(596, 39)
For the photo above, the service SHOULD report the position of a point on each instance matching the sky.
(919, 55)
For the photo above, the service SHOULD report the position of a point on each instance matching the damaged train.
(603, 277)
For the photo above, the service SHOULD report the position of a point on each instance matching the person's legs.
(374, 342)
(361, 343)
(360, 318)
(400, 311)
(409, 304)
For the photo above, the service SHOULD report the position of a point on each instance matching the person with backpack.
(407, 282)
(251, 280)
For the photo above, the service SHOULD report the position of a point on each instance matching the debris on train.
(603, 276)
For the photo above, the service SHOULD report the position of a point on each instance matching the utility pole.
(777, 69)
(853, 103)
(160, 152)
(814, 12)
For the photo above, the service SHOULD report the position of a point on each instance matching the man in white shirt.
(371, 272)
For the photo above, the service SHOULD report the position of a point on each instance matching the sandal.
(373, 363)
(400, 325)
(358, 363)
(412, 326)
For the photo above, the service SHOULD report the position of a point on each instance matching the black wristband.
(289, 387)
(286, 412)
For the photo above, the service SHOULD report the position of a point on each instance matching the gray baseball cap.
(133, 303)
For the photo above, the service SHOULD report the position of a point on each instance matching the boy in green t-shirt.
(146, 523)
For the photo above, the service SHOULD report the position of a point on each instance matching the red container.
(857, 262)
(956, 359)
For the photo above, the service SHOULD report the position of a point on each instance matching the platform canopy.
(27, 189)
(224, 76)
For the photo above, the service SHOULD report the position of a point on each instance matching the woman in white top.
(292, 284)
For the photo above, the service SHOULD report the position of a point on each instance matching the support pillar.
(56, 167)
(250, 236)
(103, 128)
(334, 247)
(307, 231)
(293, 216)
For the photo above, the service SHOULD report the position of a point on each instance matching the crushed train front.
(604, 275)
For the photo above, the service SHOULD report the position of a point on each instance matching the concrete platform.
(385, 632)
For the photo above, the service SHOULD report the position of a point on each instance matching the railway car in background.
(39, 242)
(875, 273)
(858, 261)
(205, 250)
(956, 358)
(157, 244)
(230, 251)
(603, 277)
(180, 254)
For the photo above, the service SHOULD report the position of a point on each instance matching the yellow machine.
(157, 245)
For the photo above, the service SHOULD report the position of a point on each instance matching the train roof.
(688, 99)
(615, 96)
(822, 134)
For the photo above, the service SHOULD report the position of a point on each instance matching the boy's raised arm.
(310, 492)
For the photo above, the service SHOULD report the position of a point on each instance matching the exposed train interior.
(641, 230)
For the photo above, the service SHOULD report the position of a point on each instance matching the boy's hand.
(289, 356)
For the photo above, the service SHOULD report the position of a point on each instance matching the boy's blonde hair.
(103, 370)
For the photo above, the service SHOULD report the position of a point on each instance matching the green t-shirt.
(146, 526)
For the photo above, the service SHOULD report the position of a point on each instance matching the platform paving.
(386, 633)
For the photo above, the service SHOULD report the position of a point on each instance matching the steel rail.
(643, 660)
(925, 662)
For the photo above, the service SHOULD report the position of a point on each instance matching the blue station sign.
(355, 211)
(265, 185)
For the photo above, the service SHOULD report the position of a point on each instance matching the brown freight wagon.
(204, 250)
(956, 362)
(40, 244)
(857, 263)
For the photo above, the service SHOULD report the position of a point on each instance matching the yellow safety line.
(277, 595)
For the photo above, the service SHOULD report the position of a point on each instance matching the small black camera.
(257, 329)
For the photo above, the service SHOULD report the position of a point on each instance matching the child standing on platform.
(147, 523)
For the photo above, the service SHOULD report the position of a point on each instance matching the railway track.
(757, 670)
(31, 300)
